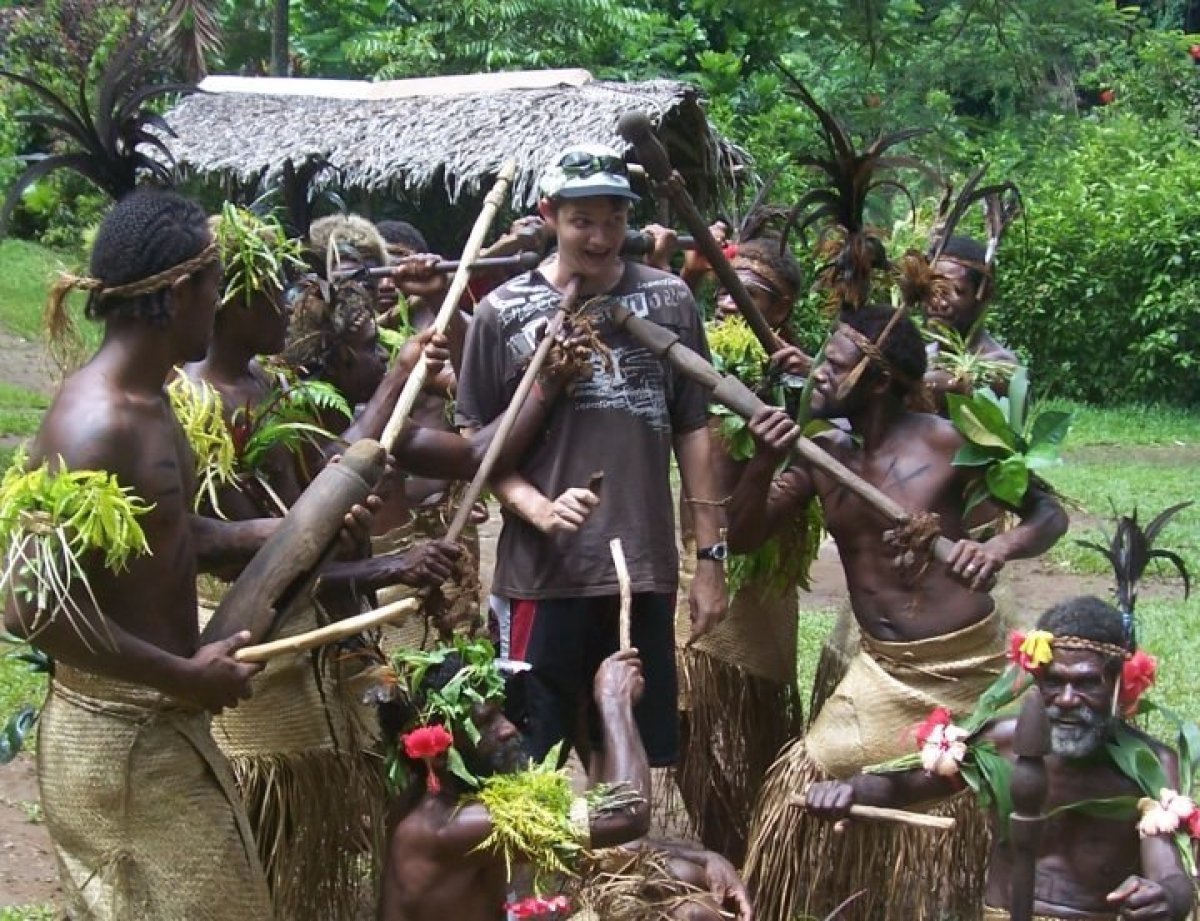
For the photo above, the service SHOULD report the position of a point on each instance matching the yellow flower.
(1038, 648)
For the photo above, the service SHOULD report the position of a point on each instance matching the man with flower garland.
(452, 834)
(1089, 866)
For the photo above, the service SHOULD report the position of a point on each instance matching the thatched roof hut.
(412, 137)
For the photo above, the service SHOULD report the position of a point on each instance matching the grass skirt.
(742, 707)
(145, 818)
(798, 863)
(303, 754)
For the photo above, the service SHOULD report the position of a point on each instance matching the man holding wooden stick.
(929, 631)
(553, 560)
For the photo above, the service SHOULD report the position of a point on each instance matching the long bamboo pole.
(416, 380)
(332, 633)
(353, 625)
(504, 429)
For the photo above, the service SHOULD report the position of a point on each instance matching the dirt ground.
(27, 868)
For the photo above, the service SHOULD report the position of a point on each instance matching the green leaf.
(996, 774)
(1018, 398)
(458, 767)
(980, 421)
(973, 455)
(1137, 760)
(1049, 428)
(1009, 480)
(1040, 456)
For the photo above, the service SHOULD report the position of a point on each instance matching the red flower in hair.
(426, 744)
(1137, 676)
(536, 905)
(939, 717)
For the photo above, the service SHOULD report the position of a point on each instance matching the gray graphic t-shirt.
(621, 422)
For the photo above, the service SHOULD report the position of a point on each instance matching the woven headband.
(149, 285)
(1109, 650)
(874, 354)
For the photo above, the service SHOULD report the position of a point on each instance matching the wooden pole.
(618, 555)
(528, 379)
(636, 129)
(881, 814)
(323, 636)
(731, 392)
(416, 380)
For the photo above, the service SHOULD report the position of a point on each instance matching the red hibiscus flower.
(939, 717)
(536, 905)
(1015, 641)
(426, 744)
(1137, 675)
(1194, 51)
(1193, 823)
(1107, 97)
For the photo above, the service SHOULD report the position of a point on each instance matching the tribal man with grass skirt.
(741, 702)
(929, 631)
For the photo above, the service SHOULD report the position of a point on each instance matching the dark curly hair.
(903, 349)
(1089, 618)
(781, 262)
(148, 231)
(402, 233)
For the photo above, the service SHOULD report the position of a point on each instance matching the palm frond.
(193, 32)
(102, 139)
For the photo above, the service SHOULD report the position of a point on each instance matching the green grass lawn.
(26, 273)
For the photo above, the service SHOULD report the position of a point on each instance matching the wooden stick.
(618, 555)
(881, 814)
(635, 128)
(416, 380)
(528, 379)
(525, 260)
(731, 392)
(323, 636)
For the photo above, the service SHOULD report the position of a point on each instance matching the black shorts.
(565, 640)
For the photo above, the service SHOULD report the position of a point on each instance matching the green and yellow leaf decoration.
(50, 521)
(255, 251)
(197, 406)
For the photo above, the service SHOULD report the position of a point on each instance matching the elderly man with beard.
(440, 860)
(1088, 866)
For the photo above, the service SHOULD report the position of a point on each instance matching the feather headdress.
(327, 234)
(1002, 205)
(1129, 551)
(105, 135)
(855, 254)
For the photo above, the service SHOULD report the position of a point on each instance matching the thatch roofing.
(411, 135)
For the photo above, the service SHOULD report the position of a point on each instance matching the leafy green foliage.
(1004, 441)
(51, 522)
(256, 254)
